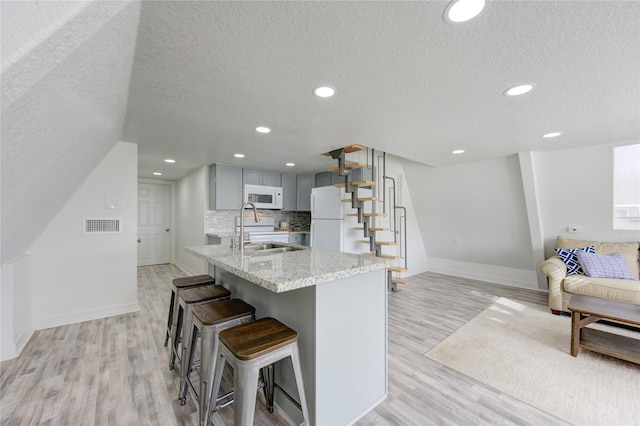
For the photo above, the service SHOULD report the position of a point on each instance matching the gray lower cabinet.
(304, 183)
(295, 238)
(226, 187)
(289, 192)
(300, 238)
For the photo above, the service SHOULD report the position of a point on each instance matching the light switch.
(113, 203)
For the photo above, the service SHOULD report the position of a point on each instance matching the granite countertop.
(280, 272)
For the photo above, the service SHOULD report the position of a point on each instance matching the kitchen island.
(337, 302)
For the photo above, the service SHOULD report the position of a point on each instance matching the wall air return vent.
(103, 226)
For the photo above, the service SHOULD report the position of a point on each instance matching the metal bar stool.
(179, 284)
(248, 348)
(208, 321)
(187, 300)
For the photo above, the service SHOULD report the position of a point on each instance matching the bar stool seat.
(178, 284)
(248, 348)
(208, 320)
(187, 299)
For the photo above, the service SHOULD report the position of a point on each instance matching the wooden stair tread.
(352, 214)
(348, 149)
(397, 269)
(381, 243)
(399, 281)
(356, 183)
(371, 229)
(345, 200)
(385, 256)
(354, 165)
(375, 214)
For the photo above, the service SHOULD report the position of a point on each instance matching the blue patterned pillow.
(569, 257)
(605, 266)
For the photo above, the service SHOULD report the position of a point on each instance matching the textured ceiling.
(205, 74)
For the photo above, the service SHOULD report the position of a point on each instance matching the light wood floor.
(114, 371)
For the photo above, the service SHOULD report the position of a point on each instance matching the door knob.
(167, 230)
(139, 240)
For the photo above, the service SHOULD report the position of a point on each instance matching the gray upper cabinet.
(289, 192)
(226, 187)
(304, 183)
(261, 177)
(362, 173)
(322, 179)
(271, 178)
(327, 179)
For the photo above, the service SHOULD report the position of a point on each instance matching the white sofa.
(562, 286)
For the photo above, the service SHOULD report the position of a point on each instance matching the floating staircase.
(393, 216)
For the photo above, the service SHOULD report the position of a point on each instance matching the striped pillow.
(605, 266)
(568, 256)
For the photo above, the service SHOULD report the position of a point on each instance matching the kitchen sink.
(268, 248)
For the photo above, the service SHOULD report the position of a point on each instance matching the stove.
(262, 231)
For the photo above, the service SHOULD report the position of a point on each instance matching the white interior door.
(154, 224)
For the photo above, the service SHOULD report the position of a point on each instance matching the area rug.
(522, 350)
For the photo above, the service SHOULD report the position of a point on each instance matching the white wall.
(65, 80)
(416, 252)
(473, 220)
(78, 277)
(192, 199)
(15, 298)
(575, 187)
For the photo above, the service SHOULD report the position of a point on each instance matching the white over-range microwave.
(264, 197)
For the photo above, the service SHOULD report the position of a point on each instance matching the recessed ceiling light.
(169, 160)
(157, 173)
(551, 135)
(238, 155)
(262, 129)
(458, 151)
(520, 89)
(324, 91)
(290, 164)
(463, 10)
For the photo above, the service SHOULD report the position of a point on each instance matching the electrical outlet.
(574, 229)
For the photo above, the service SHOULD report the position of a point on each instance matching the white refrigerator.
(331, 228)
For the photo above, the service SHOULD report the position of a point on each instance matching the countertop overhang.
(280, 272)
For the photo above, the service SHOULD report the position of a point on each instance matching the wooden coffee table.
(586, 310)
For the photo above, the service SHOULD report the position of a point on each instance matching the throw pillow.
(605, 266)
(569, 257)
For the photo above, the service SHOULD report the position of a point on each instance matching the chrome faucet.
(256, 218)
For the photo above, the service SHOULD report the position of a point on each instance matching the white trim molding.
(88, 315)
(522, 278)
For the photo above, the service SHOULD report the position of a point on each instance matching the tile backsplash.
(223, 220)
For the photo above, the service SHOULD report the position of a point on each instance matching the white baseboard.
(190, 272)
(15, 350)
(522, 278)
(81, 316)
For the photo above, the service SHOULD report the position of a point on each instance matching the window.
(626, 187)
